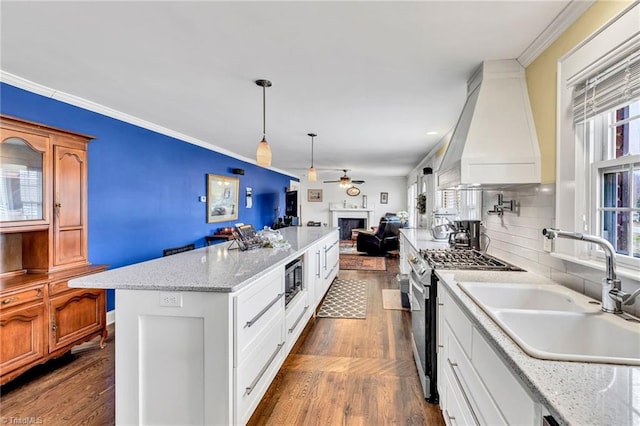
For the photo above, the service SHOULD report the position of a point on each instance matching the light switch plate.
(203, 198)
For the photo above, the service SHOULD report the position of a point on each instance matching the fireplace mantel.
(351, 213)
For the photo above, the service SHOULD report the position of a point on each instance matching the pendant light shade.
(263, 155)
(313, 175)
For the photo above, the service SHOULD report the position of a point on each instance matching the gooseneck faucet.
(612, 295)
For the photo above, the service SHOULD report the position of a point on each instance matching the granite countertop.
(214, 268)
(421, 238)
(575, 393)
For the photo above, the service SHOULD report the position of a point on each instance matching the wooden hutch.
(43, 236)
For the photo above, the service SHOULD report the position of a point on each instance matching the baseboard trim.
(111, 317)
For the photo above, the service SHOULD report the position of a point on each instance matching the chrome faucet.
(502, 206)
(612, 295)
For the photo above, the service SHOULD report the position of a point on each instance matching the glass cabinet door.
(21, 180)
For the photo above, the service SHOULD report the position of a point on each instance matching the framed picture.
(314, 195)
(222, 198)
(384, 197)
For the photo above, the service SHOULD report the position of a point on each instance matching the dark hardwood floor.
(343, 372)
(352, 372)
(75, 389)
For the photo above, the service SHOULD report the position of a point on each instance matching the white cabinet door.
(313, 274)
(331, 259)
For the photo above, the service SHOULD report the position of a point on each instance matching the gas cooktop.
(465, 259)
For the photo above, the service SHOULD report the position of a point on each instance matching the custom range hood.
(494, 144)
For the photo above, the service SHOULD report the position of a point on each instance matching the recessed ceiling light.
(432, 133)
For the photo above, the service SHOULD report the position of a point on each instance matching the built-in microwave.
(293, 280)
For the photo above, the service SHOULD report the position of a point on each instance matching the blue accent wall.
(144, 186)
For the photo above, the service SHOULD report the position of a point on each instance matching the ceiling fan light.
(313, 175)
(263, 155)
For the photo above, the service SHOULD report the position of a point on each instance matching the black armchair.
(383, 240)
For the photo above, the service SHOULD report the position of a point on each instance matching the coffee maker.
(466, 236)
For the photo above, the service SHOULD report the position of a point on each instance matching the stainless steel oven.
(424, 304)
(423, 323)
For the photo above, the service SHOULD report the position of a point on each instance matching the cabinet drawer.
(58, 287)
(11, 299)
(459, 323)
(516, 405)
(297, 315)
(471, 386)
(254, 375)
(457, 412)
(254, 308)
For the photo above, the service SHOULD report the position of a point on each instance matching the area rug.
(347, 247)
(345, 299)
(391, 299)
(362, 262)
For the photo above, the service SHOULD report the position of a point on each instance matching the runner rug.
(362, 262)
(345, 299)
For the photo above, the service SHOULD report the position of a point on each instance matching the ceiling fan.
(345, 181)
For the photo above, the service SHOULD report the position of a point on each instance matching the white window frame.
(575, 185)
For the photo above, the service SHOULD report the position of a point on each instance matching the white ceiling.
(370, 78)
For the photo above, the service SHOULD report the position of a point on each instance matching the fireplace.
(347, 213)
(347, 224)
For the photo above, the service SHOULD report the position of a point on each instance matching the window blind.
(614, 86)
(450, 199)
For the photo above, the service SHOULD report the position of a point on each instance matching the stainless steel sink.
(553, 322)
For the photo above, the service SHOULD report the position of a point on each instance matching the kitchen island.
(200, 335)
(572, 392)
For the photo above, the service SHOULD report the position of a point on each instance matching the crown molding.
(48, 92)
(559, 25)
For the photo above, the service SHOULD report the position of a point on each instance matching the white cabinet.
(298, 312)
(331, 259)
(209, 357)
(476, 387)
(323, 261)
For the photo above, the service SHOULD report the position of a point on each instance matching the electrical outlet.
(171, 299)
(202, 198)
(546, 245)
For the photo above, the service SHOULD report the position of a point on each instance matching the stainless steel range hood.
(494, 143)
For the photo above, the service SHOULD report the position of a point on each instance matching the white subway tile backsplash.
(517, 238)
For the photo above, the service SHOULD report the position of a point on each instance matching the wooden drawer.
(11, 299)
(254, 375)
(58, 287)
(255, 307)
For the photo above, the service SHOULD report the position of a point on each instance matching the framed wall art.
(222, 198)
(314, 195)
(384, 197)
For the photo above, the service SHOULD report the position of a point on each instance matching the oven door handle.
(417, 287)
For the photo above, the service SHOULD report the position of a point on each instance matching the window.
(606, 109)
(615, 169)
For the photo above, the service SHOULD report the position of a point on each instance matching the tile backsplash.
(517, 238)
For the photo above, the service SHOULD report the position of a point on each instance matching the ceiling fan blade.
(357, 181)
(331, 181)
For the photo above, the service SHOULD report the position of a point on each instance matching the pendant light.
(263, 155)
(313, 175)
